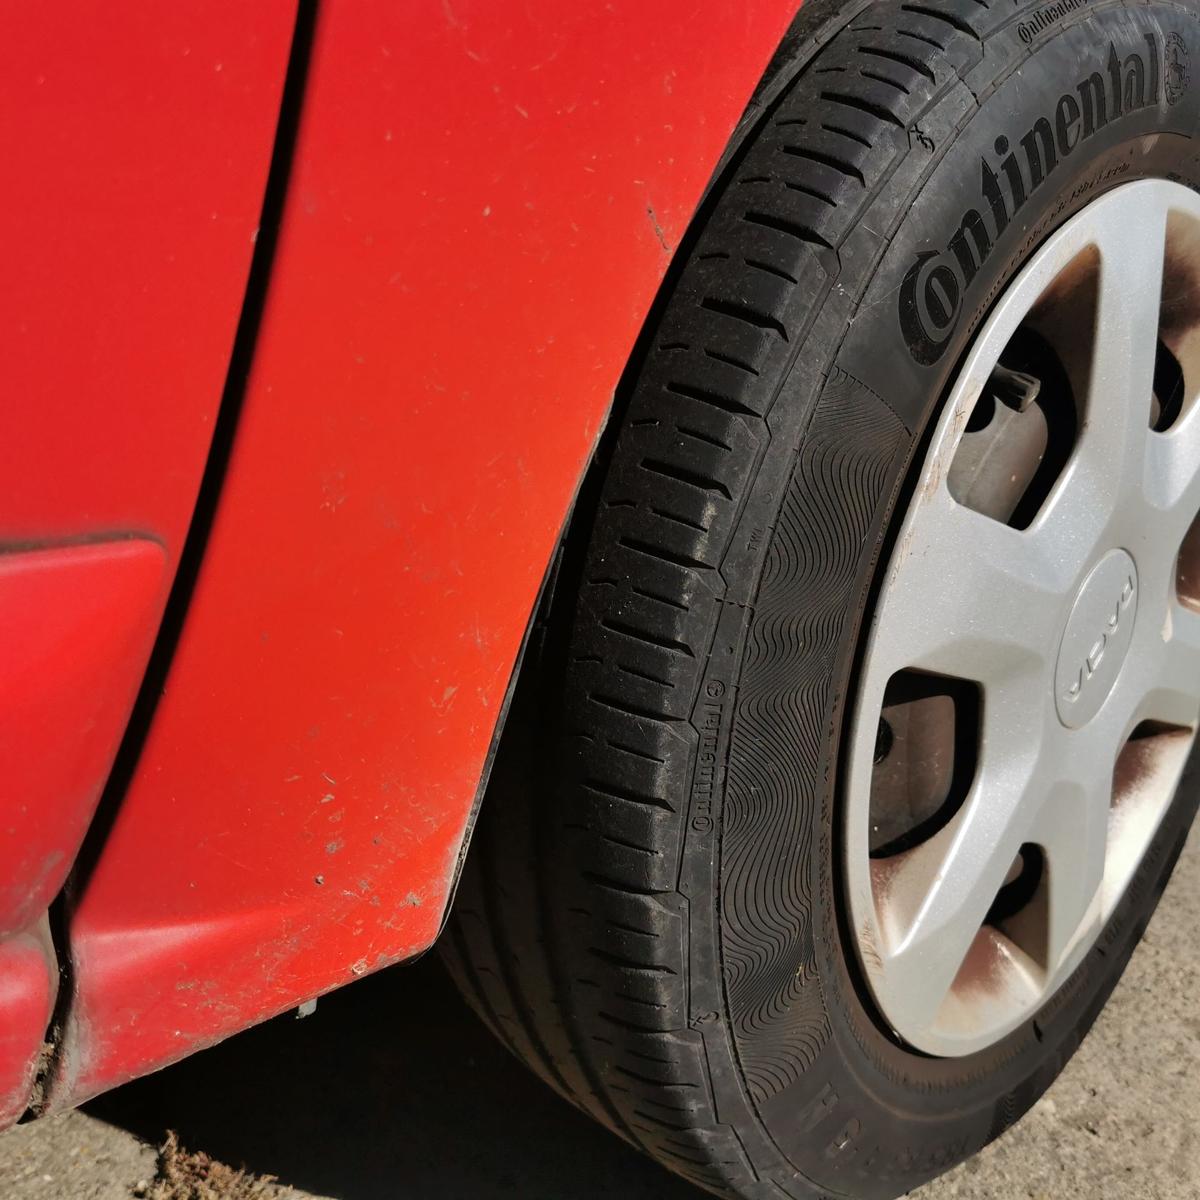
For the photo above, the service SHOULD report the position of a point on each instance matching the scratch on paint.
(658, 229)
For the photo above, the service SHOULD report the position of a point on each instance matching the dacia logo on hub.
(1096, 639)
(931, 296)
(1095, 656)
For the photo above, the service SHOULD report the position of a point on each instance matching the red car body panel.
(28, 986)
(75, 627)
(137, 143)
(483, 200)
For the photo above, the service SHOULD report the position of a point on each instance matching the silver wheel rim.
(1075, 633)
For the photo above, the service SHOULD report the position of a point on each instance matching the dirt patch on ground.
(193, 1175)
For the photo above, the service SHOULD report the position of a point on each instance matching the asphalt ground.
(392, 1091)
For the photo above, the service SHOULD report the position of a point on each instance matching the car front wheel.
(866, 741)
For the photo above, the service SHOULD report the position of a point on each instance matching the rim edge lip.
(1045, 264)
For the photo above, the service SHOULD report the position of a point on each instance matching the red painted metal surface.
(28, 982)
(76, 624)
(485, 197)
(136, 141)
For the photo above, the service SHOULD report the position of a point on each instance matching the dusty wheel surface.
(861, 745)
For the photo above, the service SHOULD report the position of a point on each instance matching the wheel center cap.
(1096, 639)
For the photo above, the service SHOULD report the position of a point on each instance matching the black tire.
(656, 928)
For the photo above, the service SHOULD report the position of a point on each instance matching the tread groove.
(647, 594)
(631, 710)
(693, 479)
(795, 229)
(849, 100)
(624, 748)
(726, 404)
(887, 81)
(745, 313)
(842, 131)
(729, 360)
(826, 160)
(757, 264)
(921, 37)
(638, 546)
(613, 792)
(645, 675)
(813, 193)
(937, 14)
(686, 522)
(907, 60)
(625, 629)
(629, 964)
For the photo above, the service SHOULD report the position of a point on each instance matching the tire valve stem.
(1015, 389)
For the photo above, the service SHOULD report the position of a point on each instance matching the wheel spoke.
(1109, 465)
(1072, 831)
(1172, 482)
(935, 897)
(1116, 424)
(1167, 675)
(948, 560)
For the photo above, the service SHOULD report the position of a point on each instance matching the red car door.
(136, 142)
